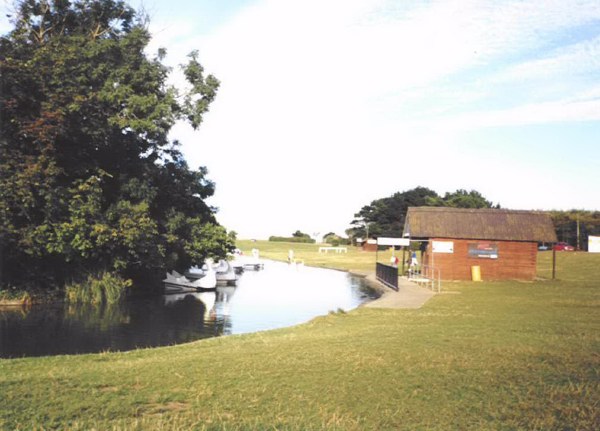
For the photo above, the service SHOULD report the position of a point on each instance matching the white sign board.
(393, 241)
(443, 246)
(594, 244)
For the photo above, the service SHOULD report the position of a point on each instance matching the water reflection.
(70, 329)
(281, 295)
(206, 299)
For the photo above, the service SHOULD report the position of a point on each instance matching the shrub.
(104, 288)
(14, 295)
(336, 240)
(291, 239)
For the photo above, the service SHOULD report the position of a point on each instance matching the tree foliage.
(89, 181)
(300, 234)
(334, 239)
(461, 199)
(575, 226)
(386, 216)
(297, 236)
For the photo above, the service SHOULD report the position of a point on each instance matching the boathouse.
(502, 243)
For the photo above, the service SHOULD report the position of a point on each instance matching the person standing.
(413, 260)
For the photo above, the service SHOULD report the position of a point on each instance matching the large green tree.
(89, 180)
(461, 199)
(386, 216)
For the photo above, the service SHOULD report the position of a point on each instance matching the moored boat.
(194, 273)
(177, 283)
(247, 263)
(225, 272)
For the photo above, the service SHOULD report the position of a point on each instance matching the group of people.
(411, 262)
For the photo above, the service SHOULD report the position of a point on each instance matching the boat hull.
(178, 288)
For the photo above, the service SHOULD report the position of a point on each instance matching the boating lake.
(278, 296)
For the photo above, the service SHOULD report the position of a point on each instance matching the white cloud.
(539, 113)
(579, 58)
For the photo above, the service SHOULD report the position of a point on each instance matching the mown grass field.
(488, 356)
(354, 259)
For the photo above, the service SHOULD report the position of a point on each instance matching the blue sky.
(326, 105)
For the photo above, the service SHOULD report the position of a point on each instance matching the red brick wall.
(369, 247)
(516, 261)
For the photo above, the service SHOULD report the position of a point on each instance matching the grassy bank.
(504, 355)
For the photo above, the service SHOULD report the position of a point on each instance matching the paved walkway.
(409, 295)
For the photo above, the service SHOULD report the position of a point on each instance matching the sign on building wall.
(442, 246)
(483, 250)
(594, 244)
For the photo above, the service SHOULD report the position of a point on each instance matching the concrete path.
(409, 295)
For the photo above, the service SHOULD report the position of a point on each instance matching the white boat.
(254, 266)
(225, 272)
(237, 266)
(177, 283)
(248, 263)
(209, 281)
(194, 273)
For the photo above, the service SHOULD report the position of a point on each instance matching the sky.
(327, 105)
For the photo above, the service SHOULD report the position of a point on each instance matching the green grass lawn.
(488, 356)
(354, 259)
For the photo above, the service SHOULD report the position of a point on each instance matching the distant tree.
(89, 181)
(566, 225)
(335, 240)
(295, 239)
(299, 234)
(386, 216)
(462, 199)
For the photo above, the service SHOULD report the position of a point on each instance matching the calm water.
(278, 296)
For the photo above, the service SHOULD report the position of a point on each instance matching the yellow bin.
(476, 273)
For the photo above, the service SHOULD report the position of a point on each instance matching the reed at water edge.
(102, 288)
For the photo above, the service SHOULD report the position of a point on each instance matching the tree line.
(575, 226)
(297, 236)
(386, 216)
(89, 181)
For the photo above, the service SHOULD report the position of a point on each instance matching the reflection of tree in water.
(85, 328)
(19, 312)
(195, 316)
(100, 316)
(58, 329)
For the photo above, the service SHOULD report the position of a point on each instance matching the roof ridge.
(456, 209)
